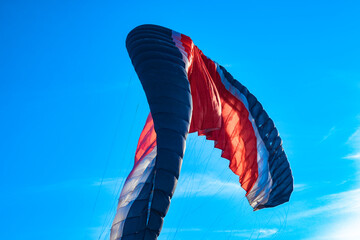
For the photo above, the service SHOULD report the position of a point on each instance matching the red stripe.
(187, 44)
(221, 116)
(217, 114)
(147, 140)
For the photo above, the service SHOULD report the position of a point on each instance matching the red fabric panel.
(147, 140)
(187, 44)
(217, 114)
(221, 116)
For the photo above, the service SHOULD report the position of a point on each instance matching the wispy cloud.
(111, 186)
(300, 187)
(355, 156)
(205, 185)
(244, 233)
(189, 185)
(259, 233)
(347, 202)
(110, 183)
(330, 132)
(354, 142)
(173, 230)
(355, 137)
(346, 206)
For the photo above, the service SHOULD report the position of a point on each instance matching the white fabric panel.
(131, 190)
(116, 230)
(177, 40)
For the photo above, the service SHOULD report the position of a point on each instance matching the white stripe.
(260, 192)
(131, 190)
(177, 40)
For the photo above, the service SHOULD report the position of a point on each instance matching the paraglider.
(188, 92)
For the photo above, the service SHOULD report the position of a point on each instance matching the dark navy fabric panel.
(161, 202)
(171, 71)
(163, 163)
(180, 125)
(161, 70)
(151, 234)
(166, 181)
(135, 236)
(278, 163)
(148, 29)
(155, 222)
(171, 139)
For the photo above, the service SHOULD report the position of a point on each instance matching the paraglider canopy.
(189, 92)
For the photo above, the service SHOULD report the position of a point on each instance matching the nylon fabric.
(188, 92)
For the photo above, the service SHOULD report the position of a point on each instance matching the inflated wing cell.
(189, 92)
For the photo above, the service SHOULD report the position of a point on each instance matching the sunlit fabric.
(188, 92)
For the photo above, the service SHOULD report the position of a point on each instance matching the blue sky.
(72, 109)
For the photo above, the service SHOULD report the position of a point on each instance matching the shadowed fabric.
(188, 92)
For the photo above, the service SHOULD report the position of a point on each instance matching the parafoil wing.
(188, 92)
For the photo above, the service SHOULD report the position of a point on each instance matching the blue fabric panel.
(171, 139)
(161, 202)
(251, 100)
(134, 236)
(161, 70)
(165, 181)
(150, 234)
(256, 109)
(155, 222)
(174, 122)
(278, 164)
(136, 224)
(163, 162)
